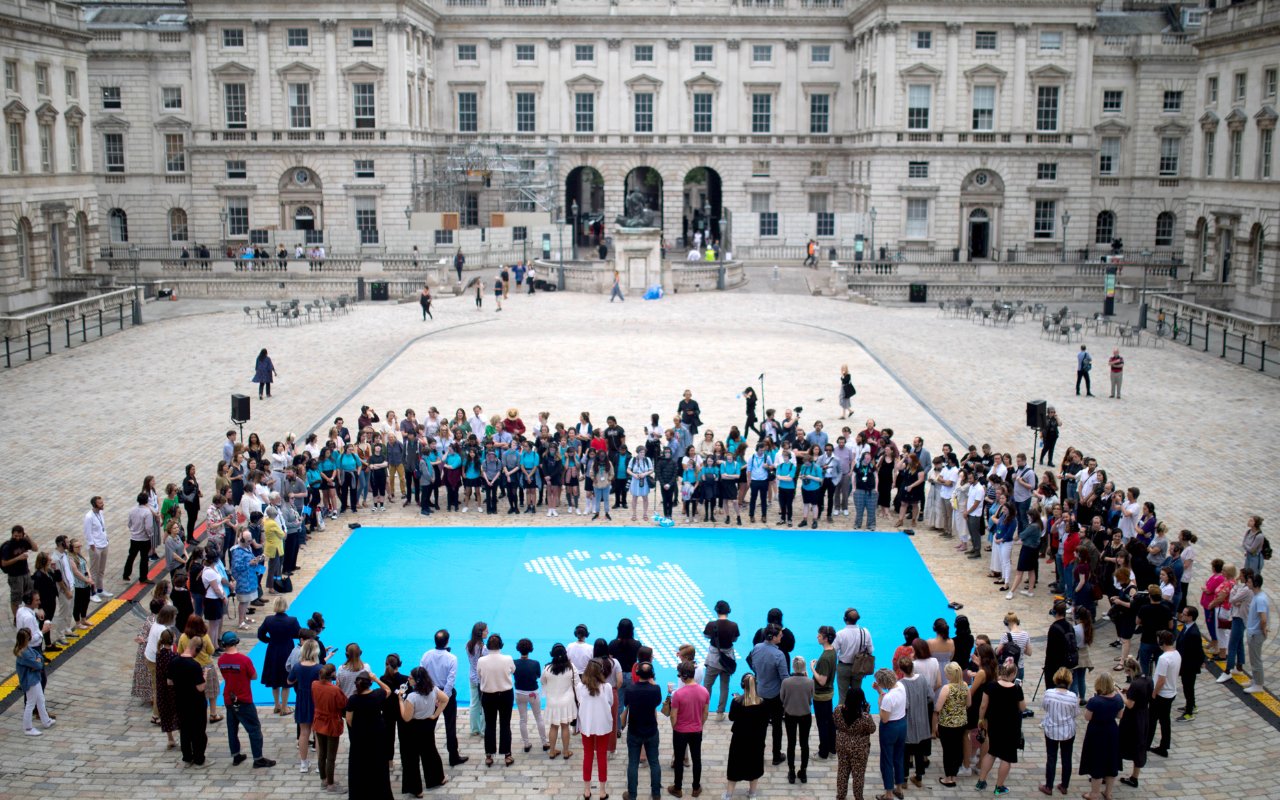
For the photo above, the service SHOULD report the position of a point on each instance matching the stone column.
(556, 90)
(395, 72)
(199, 75)
(1019, 98)
(501, 115)
(730, 93)
(674, 92)
(1084, 77)
(951, 109)
(791, 114)
(265, 77)
(614, 94)
(333, 117)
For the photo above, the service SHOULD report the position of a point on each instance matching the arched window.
(1259, 252)
(24, 248)
(1105, 229)
(177, 225)
(1164, 229)
(118, 221)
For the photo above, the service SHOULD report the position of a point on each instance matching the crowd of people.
(965, 690)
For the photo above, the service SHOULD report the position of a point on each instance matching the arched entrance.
(702, 210)
(302, 204)
(585, 187)
(304, 219)
(981, 208)
(647, 182)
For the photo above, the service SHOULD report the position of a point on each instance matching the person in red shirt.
(237, 693)
(1117, 372)
(330, 703)
(1069, 546)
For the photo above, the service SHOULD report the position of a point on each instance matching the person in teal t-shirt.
(811, 488)
(786, 475)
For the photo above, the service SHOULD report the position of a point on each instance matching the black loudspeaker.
(239, 408)
(1037, 414)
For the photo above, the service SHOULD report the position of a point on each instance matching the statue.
(638, 214)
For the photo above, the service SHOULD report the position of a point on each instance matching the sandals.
(488, 761)
(508, 760)
(553, 754)
(216, 718)
(155, 720)
(567, 754)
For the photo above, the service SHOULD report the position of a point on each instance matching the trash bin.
(883, 252)
(919, 293)
(831, 254)
(360, 288)
(378, 290)
(955, 254)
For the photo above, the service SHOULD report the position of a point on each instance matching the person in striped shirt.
(1060, 706)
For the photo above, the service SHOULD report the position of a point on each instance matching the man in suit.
(1192, 652)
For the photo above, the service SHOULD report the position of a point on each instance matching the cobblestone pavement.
(152, 399)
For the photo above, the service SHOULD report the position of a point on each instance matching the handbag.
(848, 390)
(283, 584)
(863, 662)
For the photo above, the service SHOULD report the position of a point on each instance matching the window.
(111, 98)
(73, 84)
(444, 237)
(584, 53)
(1266, 143)
(175, 152)
(1104, 229)
(470, 209)
(468, 112)
(364, 105)
(918, 98)
(233, 37)
(467, 52)
(1170, 148)
(1047, 108)
(984, 40)
(118, 224)
(642, 53)
(761, 113)
(1109, 156)
(703, 53)
(1050, 41)
(817, 202)
(761, 53)
(526, 53)
(702, 104)
(769, 223)
(1237, 152)
(644, 112)
(922, 40)
(819, 113)
(1209, 140)
(42, 80)
(236, 170)
(584, 112)
(367, 219)
(984, 108)
(519, 233)
(11, 75)
(46, 148)
(171, 98)
(1259, 255)
(177, 225)
(362, 37)
(299, 105)
(1112, 101)
(297, 37)
(237, 216)
(16, 158)
(234, 105)
(1045, 214)
(113, 151)
(917, 169)
(1241, 87)
(1269, 82)
(1047, 171)
(817, 169)
(1172, 101)
(1164, 229)
(760, 202)
(526, 112)
(364, 168)
(820, 54)
(73, 147)
(917, 218)
(24, 248)
(826, 224)
(1211, 89)
(759, 169)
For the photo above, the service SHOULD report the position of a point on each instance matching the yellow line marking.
(105, 610)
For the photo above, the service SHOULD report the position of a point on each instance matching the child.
(479, 297)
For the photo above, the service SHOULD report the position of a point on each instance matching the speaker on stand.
(1037, 420)
(240, 411)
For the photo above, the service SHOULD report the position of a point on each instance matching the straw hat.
(512, 413)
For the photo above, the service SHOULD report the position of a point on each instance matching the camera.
(798, 409)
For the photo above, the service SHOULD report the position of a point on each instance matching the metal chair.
(1077, 330)
(248, 314)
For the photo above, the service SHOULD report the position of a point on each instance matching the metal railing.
(38, 340)
(1237, 346)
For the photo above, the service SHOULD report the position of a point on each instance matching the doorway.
(979, 234)
(1228, 236)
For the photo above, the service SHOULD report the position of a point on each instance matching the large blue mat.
(389, 589)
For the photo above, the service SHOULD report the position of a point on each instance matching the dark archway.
(585, 186)
(648, 182)
(702, 193)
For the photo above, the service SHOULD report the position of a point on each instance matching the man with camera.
(13, 560)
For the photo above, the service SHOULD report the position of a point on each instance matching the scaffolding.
(478, 178)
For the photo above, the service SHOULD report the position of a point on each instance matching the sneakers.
(33, 732)
(1224, 677)
(238, 759)
(105, 595)
(980, 785)
(1026, 593)
(1190, 715)
(1009, 596)
(1001, 790)
(963, 772)
(1254, 688)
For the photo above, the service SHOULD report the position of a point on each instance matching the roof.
(1131, 23)
(136, 16)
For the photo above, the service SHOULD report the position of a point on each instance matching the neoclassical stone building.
(986, 130)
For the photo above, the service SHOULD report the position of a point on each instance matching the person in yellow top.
(195, 628)
(272, 546)
(710, 254)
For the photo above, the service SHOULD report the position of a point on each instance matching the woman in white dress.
(934, 513)
(557, 687)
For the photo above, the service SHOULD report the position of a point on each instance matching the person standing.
(797, 697)
(616, 290)
(1084, 364)
(595, 723)
(847, 391)
(459, 261)
(264, 372)
(1059, 706)
(13, 560)
(139, 523)
(1255, 627)
(497, 697)
(1050, 436)
(864, 493)
(688, 708)
(746, 741)
(238, 673)
(1000, 717)
(1100, 753)
(893, 733)
(722, 633)
(31, 679)
(187, 679)
(1116, 362)
(95, 535)
(368, 768)
(442, 666)
(854, 727)
(421, 703)
(824, 687)
(1191, 649)
(855, 653)
(330, 702)
(770, 667)
(641, 722)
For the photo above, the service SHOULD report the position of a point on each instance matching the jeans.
(1083, 375)
(602, 499)
(476, 713)
(826, 724)
(692, 741)
(864, 502)
(1078, 675)
(497, 709)
(244, 713)
(798, 724)
(34, 704)
(893, 743)
(1255, 659)
(1147, 652)
(622, 691)
(709, 681)
(526, 701)
(1052, 748)
(1235, 645)
(650, 745)
(759, 489)
(1022, 506)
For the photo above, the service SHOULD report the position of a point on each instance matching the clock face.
(301, 177)
(981, 179)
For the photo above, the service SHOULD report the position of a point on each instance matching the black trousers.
(759, 489)
(829, 490)
(1081, 375)
(1189, 692)
(619, 492)
(497, 721)
(347, 491)
(1161, 710)
(786, 500)
(1052, 748)
(491, 491)
(1046, 450)
(826, 724)
(514, 500)
(917, 752)
(693, 742)
(773, 705)
(797, 724)
(451, 727)
(191, 734)
(140, 550)
(192, 511)
(413, 486)
(419, 757)
(668, 499)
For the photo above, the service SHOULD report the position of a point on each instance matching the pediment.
(643, 81)
(985, 71)
(1112, 126)
(16, 111)
(170, 122)
(46, 113)
(73, 115)
(1049, 72)
(702, 81)
(362, 69)
(1209, 120)
(1266, 117)
(112, 122)
(584, 81)
(1172, 128)
(232, 69)
(1236, 119)
(921, 70)
(297, 68)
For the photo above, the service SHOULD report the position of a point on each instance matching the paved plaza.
(1196, 434)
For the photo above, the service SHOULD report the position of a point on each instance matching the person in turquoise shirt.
(349, 464)
(733, 442)
(709, 485)
(529, 476)
(730, 474)
(786, 474)
(471, 478)
(330, 480)
(689, 485)
(452, 476)
(620, 461)
(811, 488)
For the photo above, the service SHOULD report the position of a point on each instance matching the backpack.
(1009, 650)
(1072, 656)
(1086, 363)
(1266, 549)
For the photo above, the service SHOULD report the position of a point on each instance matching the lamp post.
(573, 210)
(222, 217)
(1066, 220)
(1142, 302)
(137, 305)
(560, 274)
(873, 232)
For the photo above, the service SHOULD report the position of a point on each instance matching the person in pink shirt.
(687, 707)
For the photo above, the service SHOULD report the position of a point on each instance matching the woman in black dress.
(1100, 753)
(1001, 718)
(911, 494)
(279, 632)
(746, 744)
(1133, 725)
(368, 771)
(391, 724)
(752, 423)
(885, 471)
